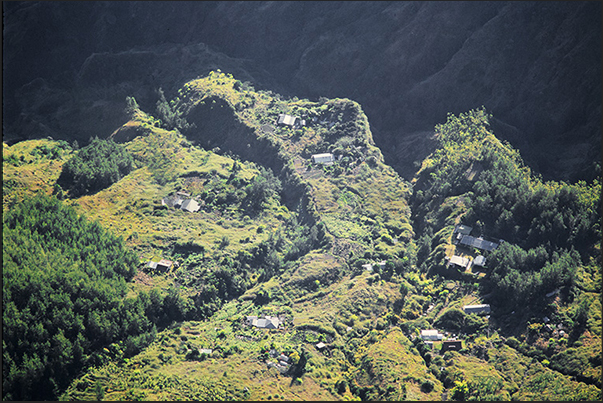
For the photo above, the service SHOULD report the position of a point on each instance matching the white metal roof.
(325, 157)
(459, 261)
(286, 119)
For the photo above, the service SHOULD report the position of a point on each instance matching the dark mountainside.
(536, 66)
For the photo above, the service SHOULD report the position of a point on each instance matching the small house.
(320, 345)
(265, 323)
(459, 261)
(451, 345)
(431, 334)
(284, 359)
(479, 243)
(268, 323)
(288, 120)
(164, 265)
(463, 229)
(370, 267)
(325, 158)
(479, 261)
(190, 205)
(477, 309)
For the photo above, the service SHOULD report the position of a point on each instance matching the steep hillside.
(296, 223)
(546, 265)
(535, 65)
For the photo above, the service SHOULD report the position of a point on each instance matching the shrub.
(426, 386)
(512, 342)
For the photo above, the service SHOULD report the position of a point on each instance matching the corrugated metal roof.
(323, 158)
(485, 308)
(459, 261)
(164, 262)
(479, 243)
(190, 205)
(286, 119)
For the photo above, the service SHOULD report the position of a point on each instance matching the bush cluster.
(95, 167)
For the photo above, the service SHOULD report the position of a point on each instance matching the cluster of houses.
(183, 201)
(554, 329)
(465, 262)
(431, 335)
(295, 122)
(282, 361)
(461, 236)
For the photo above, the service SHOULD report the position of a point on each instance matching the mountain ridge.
(535, 65)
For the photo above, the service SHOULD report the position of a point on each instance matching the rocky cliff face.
(535, 65)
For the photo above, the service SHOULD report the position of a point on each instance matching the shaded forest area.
(64, 302)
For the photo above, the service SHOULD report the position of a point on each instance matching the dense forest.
(65, 306)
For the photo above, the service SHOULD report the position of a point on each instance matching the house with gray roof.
(431, 334)
(463, 229)
(162, 265)
(190, 205)
(451, 345)
(479, 261)
(479, 243)
(478, 309)
(267, 322)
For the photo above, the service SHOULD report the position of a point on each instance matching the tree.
(263, 186)
(452, 319)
